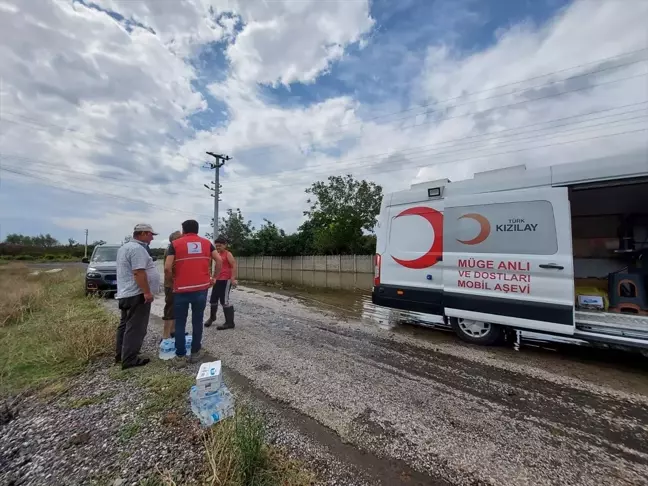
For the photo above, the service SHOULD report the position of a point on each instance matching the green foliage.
(43, 241)
(341, 218)
(42, 247)
(342, 211)
(236, 230)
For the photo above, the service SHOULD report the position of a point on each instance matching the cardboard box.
(209, 376)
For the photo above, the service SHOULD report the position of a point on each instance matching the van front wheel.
(477, 332)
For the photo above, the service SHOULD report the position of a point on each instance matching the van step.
(613, 323)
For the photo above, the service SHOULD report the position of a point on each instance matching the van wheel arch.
(477, 332)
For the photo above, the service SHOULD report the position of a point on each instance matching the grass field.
(51, 331)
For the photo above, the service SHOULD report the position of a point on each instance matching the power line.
(570, 78)
(463, 159)
(509, 105)
(426, 165)
(427, 149)
(42, 126)
(94, 192)
(462, 144)
(216, 166)
(83, 175)
(603, 60)
(265, 149)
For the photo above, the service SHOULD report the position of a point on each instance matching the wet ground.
(401, 404)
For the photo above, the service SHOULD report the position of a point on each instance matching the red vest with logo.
(192, 263)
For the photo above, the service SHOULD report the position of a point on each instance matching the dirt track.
(414, 406)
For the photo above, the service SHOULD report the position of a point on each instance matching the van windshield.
(105, 255)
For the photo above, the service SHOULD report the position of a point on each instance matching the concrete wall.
(325, 271)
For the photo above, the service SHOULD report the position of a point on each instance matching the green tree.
(341, 212)
(236, 230)
(16, 239)
(268, 240)
(45, 241)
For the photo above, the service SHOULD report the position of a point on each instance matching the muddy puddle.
(356, 305)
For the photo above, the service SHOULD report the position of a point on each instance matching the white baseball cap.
(144, 227)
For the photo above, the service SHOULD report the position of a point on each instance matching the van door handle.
(551, 266)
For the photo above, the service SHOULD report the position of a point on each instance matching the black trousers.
(220, 292)
(132, 328)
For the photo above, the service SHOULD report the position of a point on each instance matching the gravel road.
(415, 406)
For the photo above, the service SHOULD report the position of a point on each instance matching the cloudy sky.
(107, 107)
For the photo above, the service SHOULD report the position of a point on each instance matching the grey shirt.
(133, 256)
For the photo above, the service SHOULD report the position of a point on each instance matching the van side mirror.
(85, 260)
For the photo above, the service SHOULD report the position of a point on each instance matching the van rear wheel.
(477, 332)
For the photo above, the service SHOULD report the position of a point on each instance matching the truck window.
(526, 228)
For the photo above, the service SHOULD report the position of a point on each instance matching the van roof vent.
(497, 173)
(437, 183)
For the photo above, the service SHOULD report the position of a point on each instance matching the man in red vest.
(189, 258)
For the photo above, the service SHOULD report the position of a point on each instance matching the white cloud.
(528, 52)
(125, 94)
(286, 42)
(180, 26)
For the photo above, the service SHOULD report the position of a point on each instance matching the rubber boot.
(229, 319)
(212, 315)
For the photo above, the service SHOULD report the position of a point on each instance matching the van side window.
(526, 228)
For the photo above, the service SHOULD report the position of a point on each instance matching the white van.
(556, 250)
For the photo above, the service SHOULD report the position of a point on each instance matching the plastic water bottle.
(167, 349)
(215, 413)
(213, 407)
(188, 341)
(208, 419)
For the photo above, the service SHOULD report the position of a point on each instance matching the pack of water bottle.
(211, 401)
(168, 349)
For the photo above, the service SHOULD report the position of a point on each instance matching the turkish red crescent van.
(556, 250)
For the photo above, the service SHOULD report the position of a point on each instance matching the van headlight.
(93, 275)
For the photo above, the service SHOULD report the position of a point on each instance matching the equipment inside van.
(558, 250)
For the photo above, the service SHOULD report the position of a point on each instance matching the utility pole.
(220, 162)
(85, 250)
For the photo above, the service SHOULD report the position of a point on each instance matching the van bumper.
(426, 301)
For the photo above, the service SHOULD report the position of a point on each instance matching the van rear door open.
(507, 259)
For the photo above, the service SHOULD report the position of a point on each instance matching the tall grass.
(238, 456)
(48, 327)
(19, 293)
(50, 330)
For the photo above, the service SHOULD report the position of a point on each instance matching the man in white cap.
(137, 282)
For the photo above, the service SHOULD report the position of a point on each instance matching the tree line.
(42, 247)
(340, 219)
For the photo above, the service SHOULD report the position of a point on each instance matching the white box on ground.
(209, 376)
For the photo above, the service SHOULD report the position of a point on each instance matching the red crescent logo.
(484, 229)
(435, 218)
